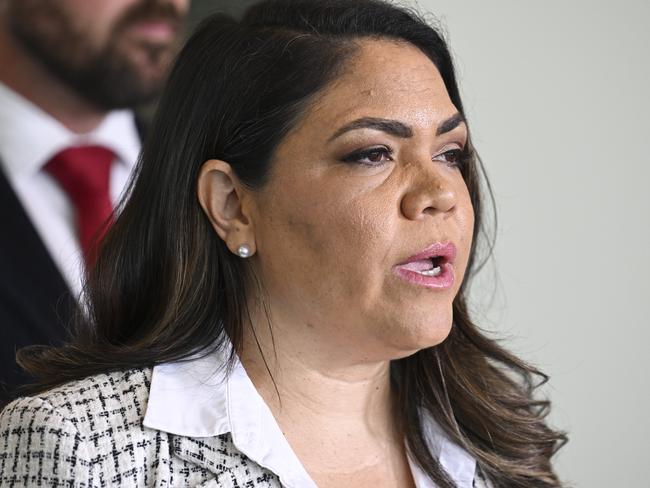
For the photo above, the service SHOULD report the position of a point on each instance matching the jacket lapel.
(35, 302)
(226, 466)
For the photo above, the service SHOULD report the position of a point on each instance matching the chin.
(423, 334)
(434, 335)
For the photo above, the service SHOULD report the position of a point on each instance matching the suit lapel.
(227, 466)
(35, 302)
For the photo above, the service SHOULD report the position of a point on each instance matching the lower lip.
(443, 281)
(155, 31)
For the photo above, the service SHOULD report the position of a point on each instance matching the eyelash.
(459, 156)
(356, 157)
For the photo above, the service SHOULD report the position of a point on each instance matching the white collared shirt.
(198, 398)
(29, 138)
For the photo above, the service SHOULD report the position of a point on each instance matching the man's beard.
(107, 77)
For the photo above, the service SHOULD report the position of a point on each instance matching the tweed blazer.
(89, 433)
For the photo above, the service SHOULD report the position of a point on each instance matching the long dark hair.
(165, 286)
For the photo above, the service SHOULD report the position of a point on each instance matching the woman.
(282, 299)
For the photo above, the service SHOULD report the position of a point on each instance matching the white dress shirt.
(199, 398)
(29, 138)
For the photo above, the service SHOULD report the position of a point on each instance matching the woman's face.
(362, 191)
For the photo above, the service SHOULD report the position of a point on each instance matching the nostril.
(428, 200)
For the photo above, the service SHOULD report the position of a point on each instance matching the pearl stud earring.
(243, 251)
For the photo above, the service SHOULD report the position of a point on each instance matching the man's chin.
(149, 58)
(132, 79)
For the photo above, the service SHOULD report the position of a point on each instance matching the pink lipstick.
(432, 267)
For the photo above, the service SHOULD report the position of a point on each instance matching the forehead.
(384, 78)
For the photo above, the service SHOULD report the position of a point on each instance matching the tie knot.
(84, 174)
(82, 169)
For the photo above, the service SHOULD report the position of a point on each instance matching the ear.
(221, 196)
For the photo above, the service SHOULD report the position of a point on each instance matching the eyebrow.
(396, 128)
(450, 124)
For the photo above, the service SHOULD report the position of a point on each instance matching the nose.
(431, 193)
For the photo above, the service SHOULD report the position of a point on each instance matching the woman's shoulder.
(89, 403)
(89, 433)
(79, 431)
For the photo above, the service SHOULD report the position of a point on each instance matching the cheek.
(332, 242)
(465, 218)
(93, 19)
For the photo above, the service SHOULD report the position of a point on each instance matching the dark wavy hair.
(165, 286)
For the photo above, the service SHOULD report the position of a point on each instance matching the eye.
(453, 157)
(374, 156)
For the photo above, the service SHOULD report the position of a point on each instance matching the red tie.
(84, 173)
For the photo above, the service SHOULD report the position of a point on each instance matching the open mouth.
(435, 266)
(432, 267)
(426, 267)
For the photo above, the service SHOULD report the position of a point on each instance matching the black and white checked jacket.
(89, 433)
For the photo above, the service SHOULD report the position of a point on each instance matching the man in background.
(71, 72)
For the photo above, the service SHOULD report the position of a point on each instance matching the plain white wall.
(557, 97)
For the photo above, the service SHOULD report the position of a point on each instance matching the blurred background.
(556, 95)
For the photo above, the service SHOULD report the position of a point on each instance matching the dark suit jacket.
(35, 302)
(36, 305)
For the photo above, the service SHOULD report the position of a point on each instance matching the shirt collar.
(456, 461)
(29, 137)
(200, 398)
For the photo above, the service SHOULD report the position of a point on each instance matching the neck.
(297, 371)
(33, 81)
(340, 392)
(322, 399)
(338, 416)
